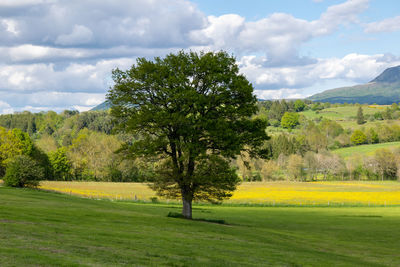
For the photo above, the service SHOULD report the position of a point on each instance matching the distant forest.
(85, 146)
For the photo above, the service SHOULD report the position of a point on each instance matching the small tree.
(358, 137)
(385, 163)
(60, 164)
(22, 171)
(299, 105)
(290, 120)
(192, 113)
(360, 116)
(295, 167)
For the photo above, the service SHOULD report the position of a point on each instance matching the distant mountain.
(390, 75)
(383, 90)
(103, 106)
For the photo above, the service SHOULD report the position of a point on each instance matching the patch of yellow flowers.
(291, 193)
(319, 193)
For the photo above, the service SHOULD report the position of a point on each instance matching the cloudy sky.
(57, 55)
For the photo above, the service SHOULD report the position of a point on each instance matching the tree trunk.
(187, 208)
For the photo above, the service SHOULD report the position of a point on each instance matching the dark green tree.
(22, 171)
(360, 116)
(190, 111)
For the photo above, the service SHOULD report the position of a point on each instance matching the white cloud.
(5, 108)
(353, 68)
(79, 35)
(279, 94)
(279, 35)
(76, 77)
(10, 26)
(57, 101)
(162, 23)
(16, 3)
(386, 25)
(59, 54)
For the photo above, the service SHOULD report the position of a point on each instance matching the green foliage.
(60, 164)
(13, 143)
(276, 109)
(295, 167)
(386, 163)
(213, 177)
(360, 116)
(22, 171)
(330, 128)
(299, 105)
(191, 108)
(358, 137)
(290, 120)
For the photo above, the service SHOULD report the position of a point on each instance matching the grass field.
(346, 116)
(47, 229)
(364, 149)
(342, 113)
(269, 193)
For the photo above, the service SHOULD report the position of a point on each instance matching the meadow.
(39, 228)
(364, 150)
(347, 193)
(346, 115)
(342, 113)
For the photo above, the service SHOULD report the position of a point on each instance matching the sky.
(57, 55)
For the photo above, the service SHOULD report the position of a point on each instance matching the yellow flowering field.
(319, 193)
(117, 191)
(274, 193)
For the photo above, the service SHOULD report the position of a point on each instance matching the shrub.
(290, 120)
(358, 137)
(22, 171)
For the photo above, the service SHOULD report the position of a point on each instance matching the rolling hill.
(383, 90)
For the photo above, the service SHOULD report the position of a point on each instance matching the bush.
(290, 120)
(358, 137)
(22, 171)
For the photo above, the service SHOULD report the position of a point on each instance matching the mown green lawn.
(48, 229)
(363, 150)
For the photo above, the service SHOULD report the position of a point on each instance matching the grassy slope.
(364, 149)
(346, 116)
(342, 113)
(40, 228)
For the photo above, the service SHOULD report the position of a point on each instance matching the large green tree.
(192, 112)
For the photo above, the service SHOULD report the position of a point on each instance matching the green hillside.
(368, 150)
(383, 90)
(48, 229)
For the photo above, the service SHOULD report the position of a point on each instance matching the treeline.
(82, 146)
(70, 146)
(383, 165)
(49, 123)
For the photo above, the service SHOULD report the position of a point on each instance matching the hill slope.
(383, 90)
(103, 106)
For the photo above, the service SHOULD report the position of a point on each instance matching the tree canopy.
(192, 112)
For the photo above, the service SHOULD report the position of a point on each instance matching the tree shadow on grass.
(180, 216)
